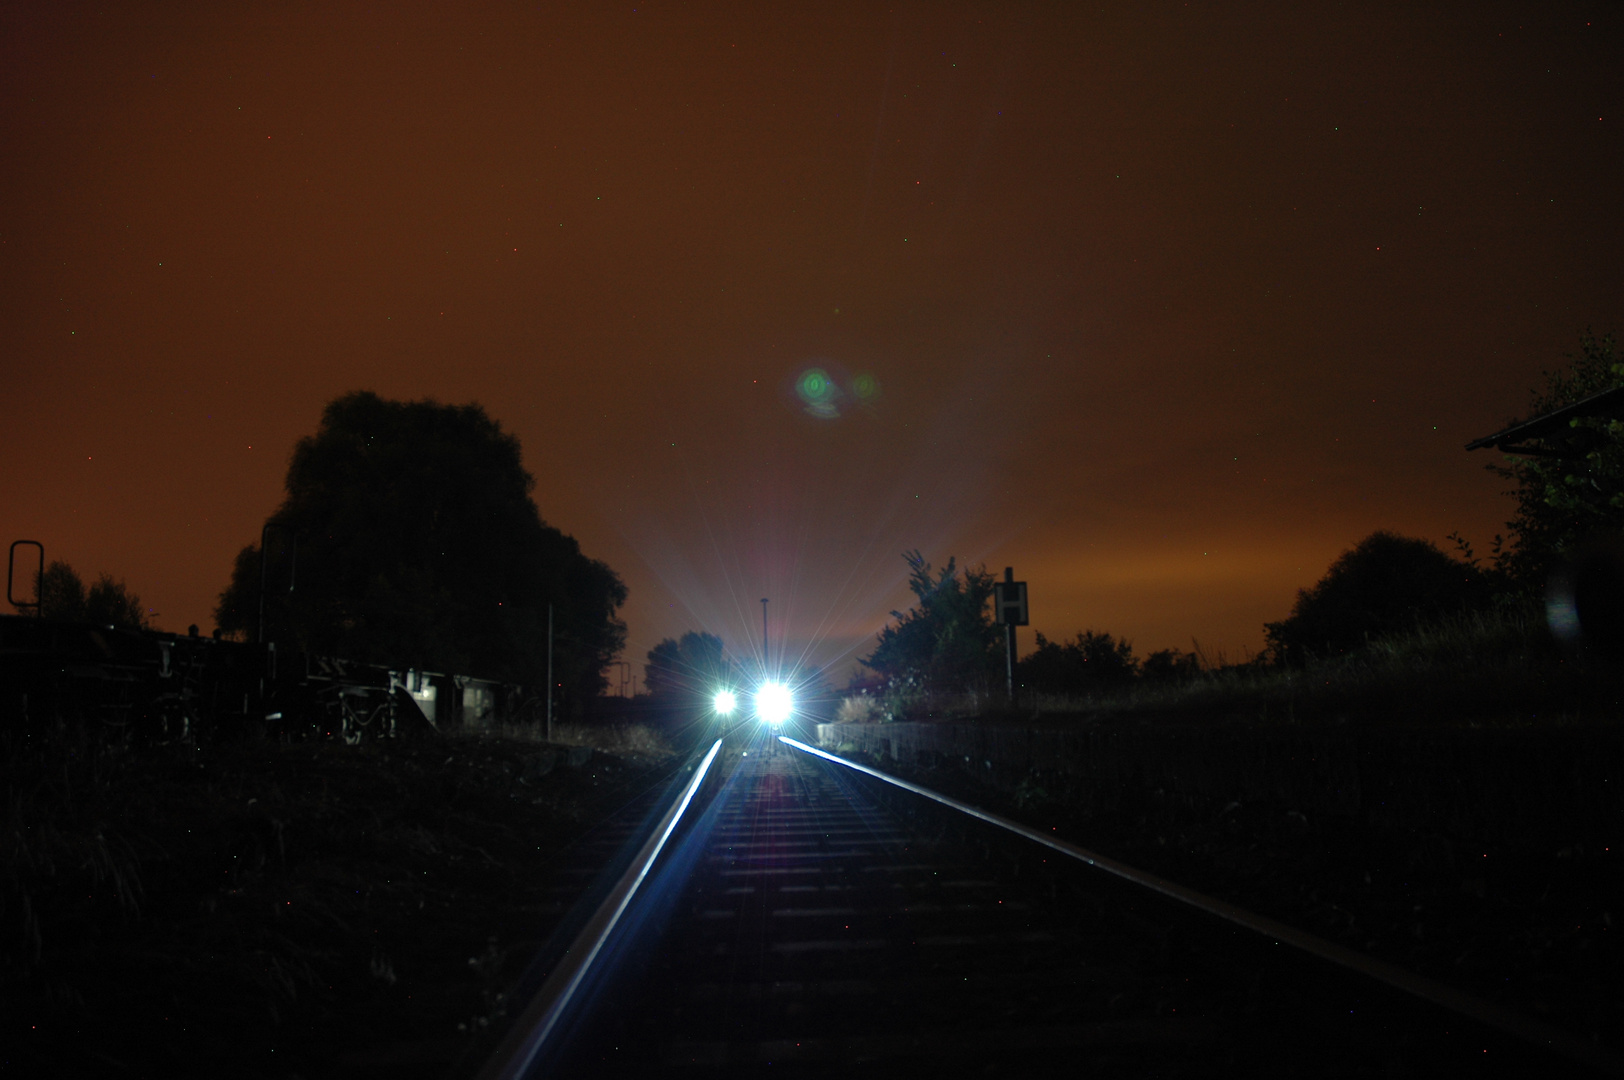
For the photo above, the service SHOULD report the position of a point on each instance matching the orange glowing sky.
(1168, 307)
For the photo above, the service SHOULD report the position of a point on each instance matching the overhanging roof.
(1514, 439)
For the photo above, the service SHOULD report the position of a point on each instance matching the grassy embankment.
(1451, 799)
(272, 909)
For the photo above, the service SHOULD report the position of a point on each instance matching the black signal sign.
(1009, 602)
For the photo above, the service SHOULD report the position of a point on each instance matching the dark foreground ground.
(319, 910)
(281, 910)
(1522, 912)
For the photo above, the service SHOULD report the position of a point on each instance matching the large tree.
(409, 537)
(1563, 499)
(947, 641)
(693, 667)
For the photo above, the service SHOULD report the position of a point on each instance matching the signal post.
(1009, 606)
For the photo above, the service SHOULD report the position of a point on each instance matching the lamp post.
(549, 673)
(764, 668)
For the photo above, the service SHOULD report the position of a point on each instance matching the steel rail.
(518, 1049)
(1407, 981)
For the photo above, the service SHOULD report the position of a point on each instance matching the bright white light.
(774, 703)
(726, 702)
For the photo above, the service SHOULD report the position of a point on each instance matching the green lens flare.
(814, 386)
(864, 387)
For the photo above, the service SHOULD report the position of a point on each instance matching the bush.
(1094, 661)
(1384, 584)
(1170, 666)
(861, 709)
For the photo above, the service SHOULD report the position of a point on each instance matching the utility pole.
(764, 668)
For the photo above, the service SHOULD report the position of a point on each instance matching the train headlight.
(774, 703)
(725, 702)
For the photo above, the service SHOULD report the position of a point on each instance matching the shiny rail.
(518, 1050)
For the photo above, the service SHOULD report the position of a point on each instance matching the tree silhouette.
(1170, 666)
(1563, 500)
(112, 603)
(418, 544)
(1093, 662)
(61, 593)
(692, 667)
(947, 641)
(1384, 583)
(108, 602)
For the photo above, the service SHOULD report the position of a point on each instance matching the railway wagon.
(156, 686)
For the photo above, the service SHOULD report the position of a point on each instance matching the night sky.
(1165, 305)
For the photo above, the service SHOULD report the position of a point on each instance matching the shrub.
(1094, 661)
(1385, 583)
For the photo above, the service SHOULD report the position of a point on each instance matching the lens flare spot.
(819, 393)
(814, 385)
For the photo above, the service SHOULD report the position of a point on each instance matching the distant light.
(726, 702)
(774, 703)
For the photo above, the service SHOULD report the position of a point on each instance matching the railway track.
(793, 912)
